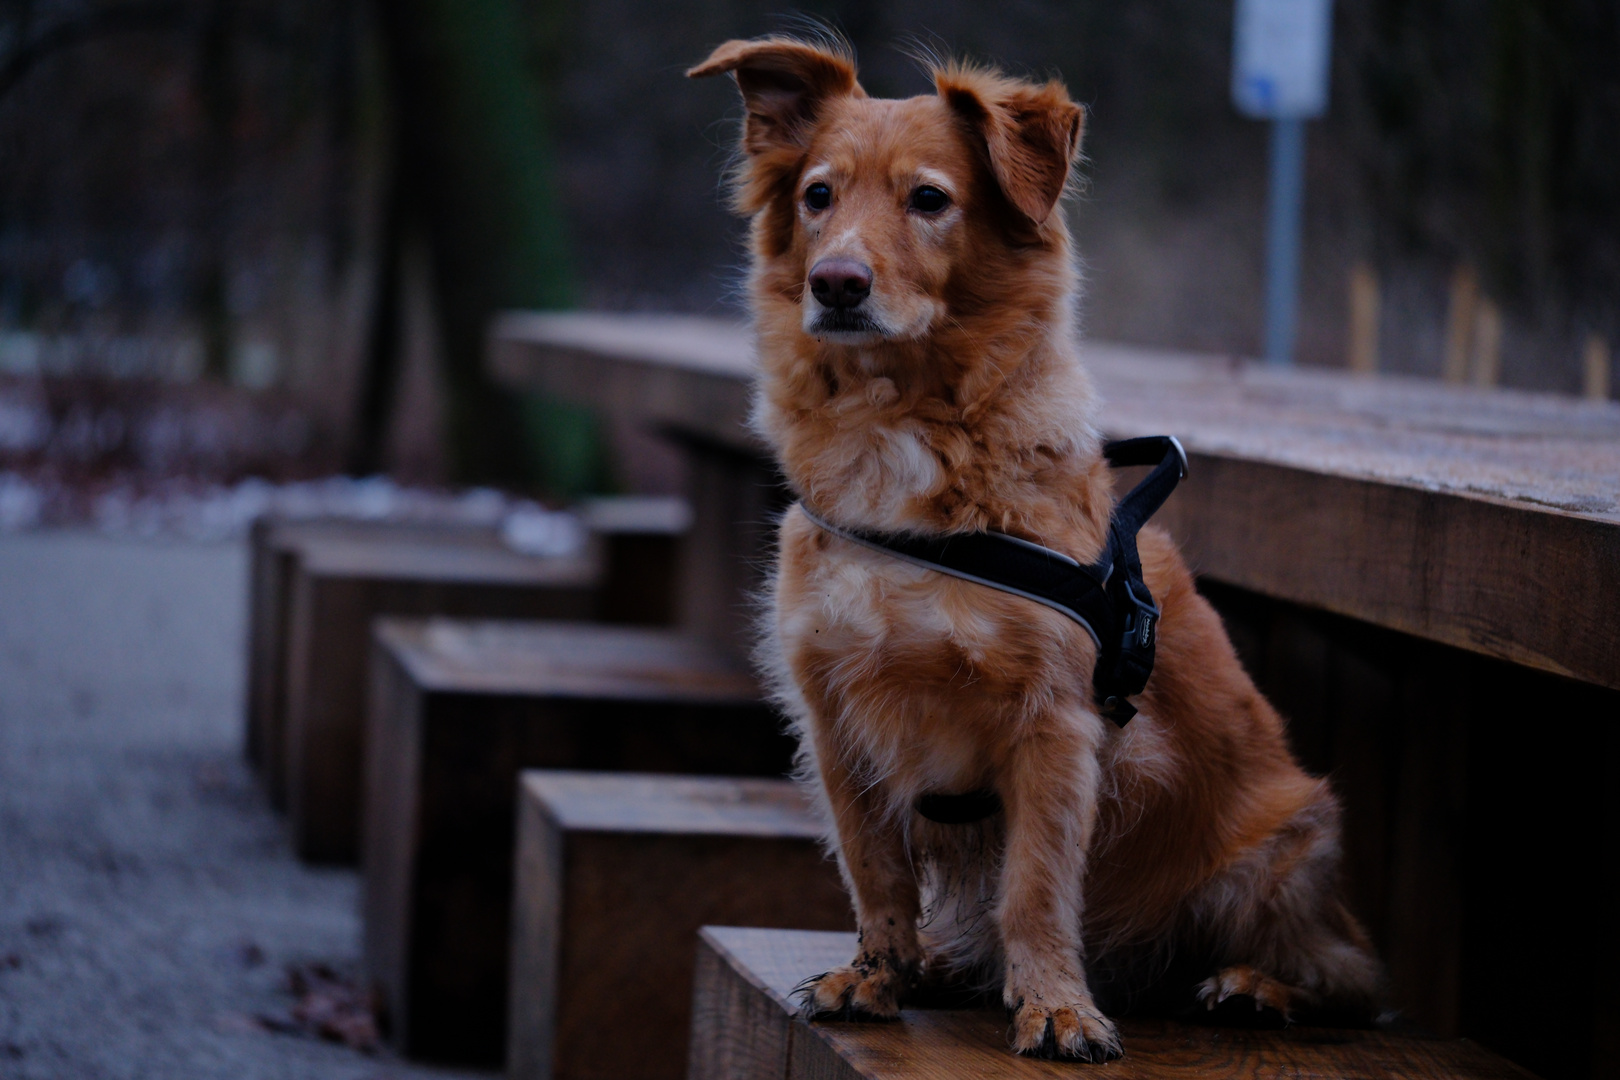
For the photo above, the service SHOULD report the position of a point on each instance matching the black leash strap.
(1109, 598)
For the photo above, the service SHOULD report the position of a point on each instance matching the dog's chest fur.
(936, 668)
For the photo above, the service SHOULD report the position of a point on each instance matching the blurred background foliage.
(322, 202)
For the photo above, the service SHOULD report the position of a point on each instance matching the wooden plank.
(1488, 520)
(339, 586)
(672, 371)
(462, 708)
(761, 967)
(1525, 586)
(615, 875)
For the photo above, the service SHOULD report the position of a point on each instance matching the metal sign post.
(1280, 73)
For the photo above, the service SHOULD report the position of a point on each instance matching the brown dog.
(913, 290)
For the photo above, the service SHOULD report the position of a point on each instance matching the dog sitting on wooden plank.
(914, 288)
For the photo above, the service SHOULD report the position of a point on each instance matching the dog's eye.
(818, 196)
(929, 200)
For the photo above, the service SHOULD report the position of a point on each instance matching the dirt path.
(150, 907)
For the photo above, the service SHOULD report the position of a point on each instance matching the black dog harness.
(1108, 598)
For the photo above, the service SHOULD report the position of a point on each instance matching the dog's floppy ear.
(1032, 132)
(784, 83)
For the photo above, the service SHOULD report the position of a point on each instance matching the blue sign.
(1280, 56)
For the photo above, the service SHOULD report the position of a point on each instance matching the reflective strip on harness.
(945, 555)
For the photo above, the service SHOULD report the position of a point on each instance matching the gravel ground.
(150, 907)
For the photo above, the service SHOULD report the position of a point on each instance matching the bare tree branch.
(106, 22)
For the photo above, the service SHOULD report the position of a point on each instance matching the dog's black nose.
(840, 283)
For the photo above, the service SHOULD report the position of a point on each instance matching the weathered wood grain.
(754, 971)
(1488, 520)
(615, 875)
(459, 710)
(744, 1009)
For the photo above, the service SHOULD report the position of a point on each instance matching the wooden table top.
(1485, 519)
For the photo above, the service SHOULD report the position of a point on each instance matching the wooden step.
(458, 709)
(615, 875)
(317, 584)
(640, 541)
(273, 550)
(338, 586)
(745, 1027)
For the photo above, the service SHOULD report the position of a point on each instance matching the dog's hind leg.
(1049, 785)
(877, 867)
(1280, 935)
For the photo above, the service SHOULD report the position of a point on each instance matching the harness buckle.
(1127, 672)
(1141, 620)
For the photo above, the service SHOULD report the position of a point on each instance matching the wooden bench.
(615, 874)
(745, 1027)
(457, 710)
(1447, 513)
(1422, 577)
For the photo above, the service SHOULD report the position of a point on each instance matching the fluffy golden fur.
(951, 398)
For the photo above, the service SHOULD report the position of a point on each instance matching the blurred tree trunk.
(472, 136)
(216, 88)
(384, 361)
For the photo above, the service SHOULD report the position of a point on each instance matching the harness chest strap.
(1109, 598)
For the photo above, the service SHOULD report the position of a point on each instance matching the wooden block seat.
(274, 545)
(318, 584)
(338, 587)
(458, 710)
(745, 1027)
(615, 875)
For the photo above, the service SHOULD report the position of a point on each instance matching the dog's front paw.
(1078, 1032)
(869, 989)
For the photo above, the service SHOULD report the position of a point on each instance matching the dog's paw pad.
(1067, 1033)
(857, 992)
